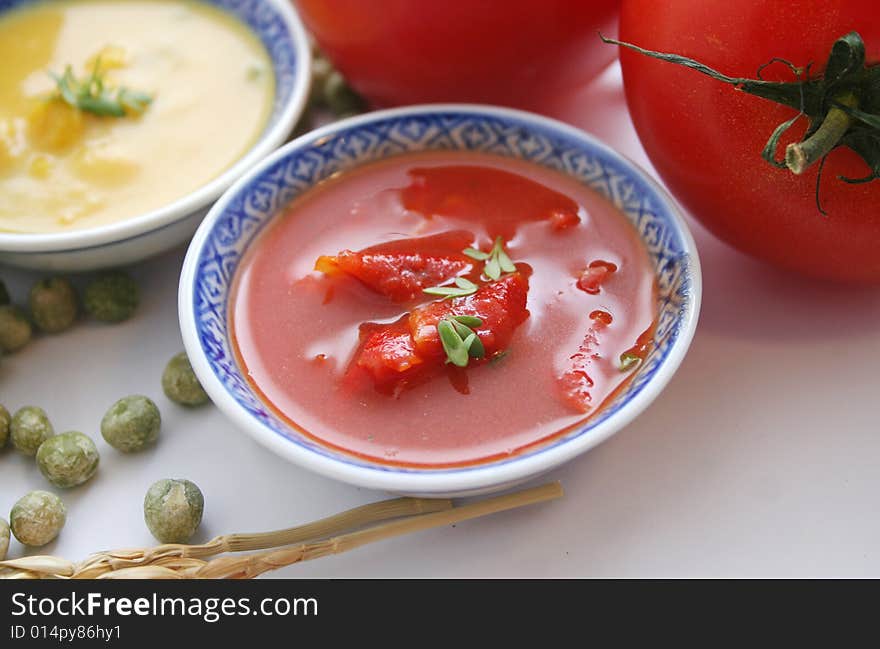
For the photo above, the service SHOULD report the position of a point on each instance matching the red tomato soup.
(540, 302)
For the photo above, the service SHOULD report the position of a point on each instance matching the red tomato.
(401, 353)
(402, 268)
(705, 137)
(513, 52)
(501, 305)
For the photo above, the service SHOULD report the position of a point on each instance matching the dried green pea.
(15, 328)
(111, 297)
(53, 304)
(4, 538)
(5, 421)
(180, 384)
(68, 460)
(131, 424)
(173, 510)
(29, 428)
(339, 96)
(321, 70)
(304, 125)
(37, 518)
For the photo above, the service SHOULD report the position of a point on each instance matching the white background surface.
(759, 459)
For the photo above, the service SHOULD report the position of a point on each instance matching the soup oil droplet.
(601, 316)
(594, 275)
(562, 219)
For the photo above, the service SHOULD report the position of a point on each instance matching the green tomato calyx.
(842, 106)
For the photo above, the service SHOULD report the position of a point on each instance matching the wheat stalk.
(282, 548)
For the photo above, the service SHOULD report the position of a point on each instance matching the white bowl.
(141, 236)
(249, 206)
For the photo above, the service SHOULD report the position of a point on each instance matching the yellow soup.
(64, 167)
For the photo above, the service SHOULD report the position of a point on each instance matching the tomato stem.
(800, 155)
(841, 105)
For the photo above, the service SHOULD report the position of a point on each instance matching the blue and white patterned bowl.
(246, 209)
(278, 27)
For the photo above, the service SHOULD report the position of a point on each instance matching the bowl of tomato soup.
(121, 121)
(439, 300)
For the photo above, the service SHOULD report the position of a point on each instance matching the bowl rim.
(201, 197)
(470, 477)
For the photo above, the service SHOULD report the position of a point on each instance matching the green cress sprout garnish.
(497, 260)
(459, 340)
(629, 361)
(462, 288)
(91, 95)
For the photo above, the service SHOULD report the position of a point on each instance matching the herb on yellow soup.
(91, 94)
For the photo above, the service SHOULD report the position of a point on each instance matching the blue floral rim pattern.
(312, 159)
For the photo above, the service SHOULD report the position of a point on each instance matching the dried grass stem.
(332, 535)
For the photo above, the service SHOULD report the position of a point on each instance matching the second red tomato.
(518, 53)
